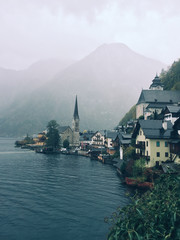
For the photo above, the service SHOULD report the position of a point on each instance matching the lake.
(58, 197)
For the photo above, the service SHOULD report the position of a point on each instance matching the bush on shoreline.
(154, 215)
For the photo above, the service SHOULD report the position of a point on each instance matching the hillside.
(131, 114)
(171, 77)
(108, 81)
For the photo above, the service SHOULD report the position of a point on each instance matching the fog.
(32, 30)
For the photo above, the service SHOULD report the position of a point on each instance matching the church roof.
(159, 96)
(62, 129)
(76, 115)
(157, 105)
(156, 82)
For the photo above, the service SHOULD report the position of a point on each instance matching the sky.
(31, 30)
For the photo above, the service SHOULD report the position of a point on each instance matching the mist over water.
(55, 196)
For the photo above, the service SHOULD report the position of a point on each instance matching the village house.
(39, 139)
(152, 141)
(98, 139)
(121, 142)
(124, 142)
(85, 140)
(110, 137)
(171, 113)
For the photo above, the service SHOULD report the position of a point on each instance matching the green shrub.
(129, 153)
(156, 215)
(138, 168)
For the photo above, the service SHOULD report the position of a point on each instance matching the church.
(71, 134)
(155, 99)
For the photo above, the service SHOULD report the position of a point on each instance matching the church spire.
(156, 84)
(76, 115)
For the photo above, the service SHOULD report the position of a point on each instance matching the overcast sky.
(31, 30)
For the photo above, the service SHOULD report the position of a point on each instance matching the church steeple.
(75, 125)
(76, 115)
(156, 84)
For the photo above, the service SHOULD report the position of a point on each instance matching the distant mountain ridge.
(108, 81)
(17, 84)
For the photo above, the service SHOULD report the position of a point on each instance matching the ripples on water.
(55, 197)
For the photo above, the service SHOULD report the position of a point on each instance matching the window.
(166, 144)
(166, 154)
(140, 132)
(158, 154)
(146, 153)
(158, 144)
(146, 143)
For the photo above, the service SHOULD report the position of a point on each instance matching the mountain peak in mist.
(113, 46)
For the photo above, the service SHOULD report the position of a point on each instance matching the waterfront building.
(152, 141)
(98, 139)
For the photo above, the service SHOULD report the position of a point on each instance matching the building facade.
(152, 141)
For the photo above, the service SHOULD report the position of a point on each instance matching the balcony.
(140, 145)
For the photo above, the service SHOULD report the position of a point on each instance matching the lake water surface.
(55, 197)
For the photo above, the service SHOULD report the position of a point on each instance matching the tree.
(53, 137)
(66, 143)
(129, 153)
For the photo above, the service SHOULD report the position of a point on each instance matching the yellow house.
(152, 141)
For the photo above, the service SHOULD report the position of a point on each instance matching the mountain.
(107, 81)
(18, 84)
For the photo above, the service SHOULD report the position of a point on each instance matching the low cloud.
(34, 29)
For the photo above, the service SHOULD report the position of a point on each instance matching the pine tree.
(53, 138)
